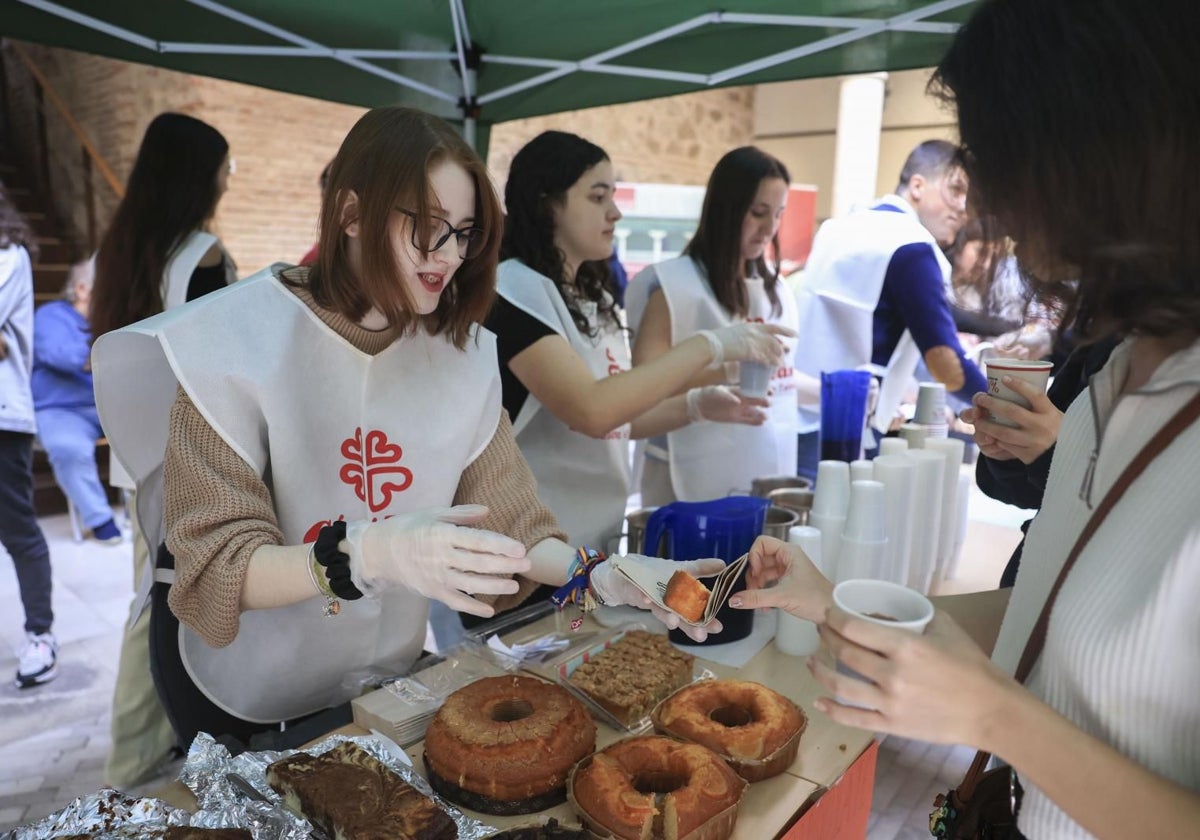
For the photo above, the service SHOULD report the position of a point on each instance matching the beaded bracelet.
(577, 589)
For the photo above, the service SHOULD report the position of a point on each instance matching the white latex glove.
(722, 404)
(748, 343)
(613, 588)
(428, 551)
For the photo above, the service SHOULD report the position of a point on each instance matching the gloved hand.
(748, 343)
(722, 405)
(613, 588)
(428, 551)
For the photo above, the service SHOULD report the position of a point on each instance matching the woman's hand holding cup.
(1023, 433)
(937, 687)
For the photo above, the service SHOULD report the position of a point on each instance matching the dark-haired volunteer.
(563, 345)
(875, 288)
(725, 277)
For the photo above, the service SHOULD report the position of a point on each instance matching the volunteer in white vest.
(336, 435)
(574, 402)
(876, 288)
(724, 277)
(157, 253)
(1104, 735)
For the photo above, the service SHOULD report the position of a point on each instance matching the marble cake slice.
(354, 797)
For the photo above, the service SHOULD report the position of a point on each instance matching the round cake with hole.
(656, 788)
(505, 745)
(754, 728)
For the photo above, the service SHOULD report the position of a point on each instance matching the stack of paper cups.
(926, 517)
(796, 636)
(931, 409)
(960, 536)
(865, 537)
(897, 474)
(893, 446)
(861, 470)
(913, 434)
(808, 539)
(951, 449)
(831, 500)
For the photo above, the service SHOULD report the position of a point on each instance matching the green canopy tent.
(486, 61)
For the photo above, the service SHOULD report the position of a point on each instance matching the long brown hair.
(172, 192)
(14, 230)
(717, 243)
(1081, 129)
(385, 161)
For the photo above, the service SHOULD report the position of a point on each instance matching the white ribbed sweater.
(1122, 654)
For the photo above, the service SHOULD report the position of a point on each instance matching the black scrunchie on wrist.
(336, 563)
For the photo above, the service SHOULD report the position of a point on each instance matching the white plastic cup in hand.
(931, 404)
(754, 379)
(1035, 373)
(884, 603)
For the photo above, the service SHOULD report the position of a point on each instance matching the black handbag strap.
(1037, 638)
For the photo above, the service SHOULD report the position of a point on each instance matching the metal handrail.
(105, 170)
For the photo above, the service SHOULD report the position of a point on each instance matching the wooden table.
(824, 795)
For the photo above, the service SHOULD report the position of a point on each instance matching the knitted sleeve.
(500, 479)
(216, 511)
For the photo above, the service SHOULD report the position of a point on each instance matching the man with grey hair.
(875, 286)
(68, 426)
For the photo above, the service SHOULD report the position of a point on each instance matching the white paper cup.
(1036, 373)
(754, 379)
(885, 603)
(931, 403)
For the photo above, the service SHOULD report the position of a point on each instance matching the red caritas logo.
(614, 367)
(373, 468)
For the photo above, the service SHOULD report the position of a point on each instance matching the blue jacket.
(61, 346)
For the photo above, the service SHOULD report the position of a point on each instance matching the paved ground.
(54, 738)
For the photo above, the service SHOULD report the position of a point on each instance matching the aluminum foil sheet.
(111, 814)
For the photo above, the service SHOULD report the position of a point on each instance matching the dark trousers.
(20, 533)
(189, 709)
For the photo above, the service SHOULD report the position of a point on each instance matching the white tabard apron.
(709, 460)
(843, 280)
(336, 434)
(583, 480)
(177, 276)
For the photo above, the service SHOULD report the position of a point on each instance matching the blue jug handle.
(661, 520)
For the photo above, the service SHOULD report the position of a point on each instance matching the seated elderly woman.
(68, 427)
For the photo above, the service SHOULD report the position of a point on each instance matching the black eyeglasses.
(469, 238)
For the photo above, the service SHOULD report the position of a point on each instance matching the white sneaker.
(39, 660)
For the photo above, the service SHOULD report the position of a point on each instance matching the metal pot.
(779, 521)
(794, 499)
(763, 486)
(635, 528)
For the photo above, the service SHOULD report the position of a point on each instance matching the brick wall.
(282, 141)
(676, 140)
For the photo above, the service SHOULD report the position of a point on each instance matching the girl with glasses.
(336, 452)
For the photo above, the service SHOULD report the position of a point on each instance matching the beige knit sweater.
(218, 510)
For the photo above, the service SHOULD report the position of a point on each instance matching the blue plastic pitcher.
(724, 528)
